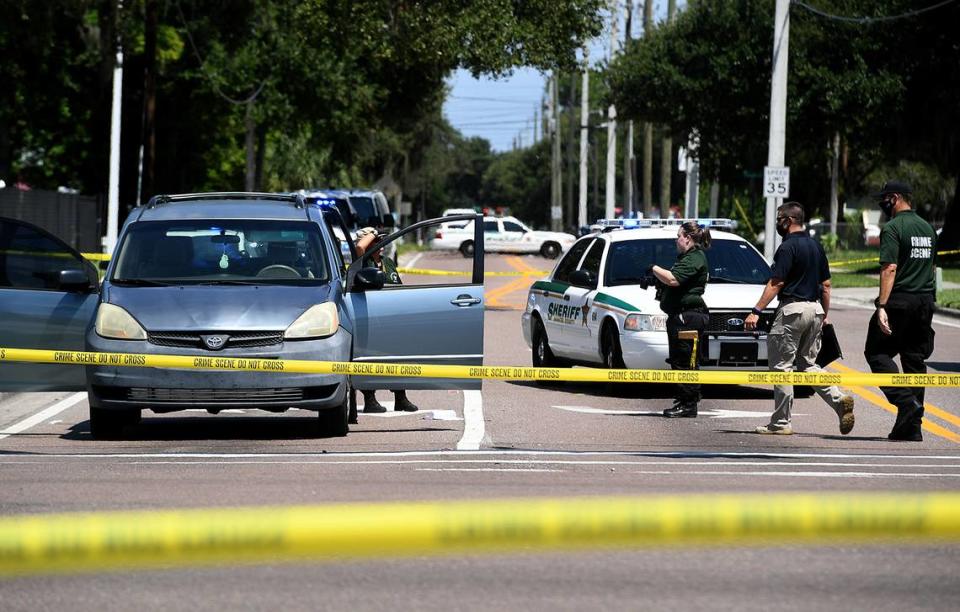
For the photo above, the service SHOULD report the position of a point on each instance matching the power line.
(499, 100)
(870, 20)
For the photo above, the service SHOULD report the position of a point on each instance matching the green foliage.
(339, 91)
(521, 180)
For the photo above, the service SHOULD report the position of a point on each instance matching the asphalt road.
(510, 440)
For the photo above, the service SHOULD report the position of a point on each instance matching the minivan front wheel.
(107, 424)
(335, 422)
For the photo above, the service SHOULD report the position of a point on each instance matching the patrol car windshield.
(730, 261)
(366, 211)
(222, 252)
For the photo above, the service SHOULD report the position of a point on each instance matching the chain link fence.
(77, 220)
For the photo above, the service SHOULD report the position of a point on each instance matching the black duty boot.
(681, 410)
(370, 403)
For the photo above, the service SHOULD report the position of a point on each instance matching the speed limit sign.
(776, 182)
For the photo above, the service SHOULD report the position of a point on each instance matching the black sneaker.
(680, 410)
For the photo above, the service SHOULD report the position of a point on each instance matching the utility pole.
(556, 209)
(611, 191)
(834, 180)
(113, 184)
(628, 155)
(584, 138)
(568, 161)
(666, 151)
(648, 130)
(536, 124)
(778, 116)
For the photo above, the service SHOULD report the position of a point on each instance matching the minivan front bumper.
(171, 389)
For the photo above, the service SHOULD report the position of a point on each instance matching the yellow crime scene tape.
(89, 542)
(877, 259)
(427, 272)
(846, 379)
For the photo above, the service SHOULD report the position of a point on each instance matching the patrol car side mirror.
(583, 278)
(370, 279)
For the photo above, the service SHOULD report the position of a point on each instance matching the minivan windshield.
(730, 261)
(222, 251)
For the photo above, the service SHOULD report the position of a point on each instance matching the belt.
(789, 299)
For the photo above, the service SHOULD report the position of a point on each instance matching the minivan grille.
(214, 396)
(242, 339)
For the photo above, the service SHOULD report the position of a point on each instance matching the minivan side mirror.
(583, 278)
(370, 279)
(74, 281)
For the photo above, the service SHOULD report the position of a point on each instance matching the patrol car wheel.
(612, 354)
(466, 249)
(542, 355)
(550, 250)
(335, 422)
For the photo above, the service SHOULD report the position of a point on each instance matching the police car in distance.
(594, 308)
(502, 235)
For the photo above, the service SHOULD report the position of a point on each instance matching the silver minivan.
(245, 275)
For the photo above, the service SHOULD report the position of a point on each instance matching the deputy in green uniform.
(902, 323)
(681, 298)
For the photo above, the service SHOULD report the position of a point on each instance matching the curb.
(953, 313)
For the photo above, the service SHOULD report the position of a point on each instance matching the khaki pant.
(792, 345)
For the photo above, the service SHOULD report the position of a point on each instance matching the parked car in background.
(503, 235)
(358, 208)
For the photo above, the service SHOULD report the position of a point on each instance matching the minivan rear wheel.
(466, 249)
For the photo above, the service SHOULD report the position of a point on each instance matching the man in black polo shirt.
(902, 323)
(801, 278)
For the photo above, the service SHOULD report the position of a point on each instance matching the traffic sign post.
(776, 182)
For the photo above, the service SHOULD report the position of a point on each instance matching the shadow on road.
(228, 428)
(649, 391)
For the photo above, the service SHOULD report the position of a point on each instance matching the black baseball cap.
(894, 187)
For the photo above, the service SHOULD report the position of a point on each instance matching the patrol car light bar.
(605, 225)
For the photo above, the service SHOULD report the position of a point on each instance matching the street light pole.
(778, 116)
(584, 137)
(113, 185)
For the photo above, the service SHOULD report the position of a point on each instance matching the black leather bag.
(829, 347)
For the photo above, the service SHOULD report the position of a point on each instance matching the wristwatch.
(878, 304)
(756, 311)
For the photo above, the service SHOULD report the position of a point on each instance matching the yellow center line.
(493, 296)
(879, 400)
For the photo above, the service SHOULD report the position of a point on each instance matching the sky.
(503, 110)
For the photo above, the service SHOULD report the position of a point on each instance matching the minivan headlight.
(115, 322)
(645, 322)
(318, 321)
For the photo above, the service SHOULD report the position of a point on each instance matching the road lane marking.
(759, 455)
(800, 474)
(413, 261)
(881, 401)
(473, 426)
(713, 413)
(43, 415)
(493, 296)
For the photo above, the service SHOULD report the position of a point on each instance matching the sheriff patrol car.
(595, 308)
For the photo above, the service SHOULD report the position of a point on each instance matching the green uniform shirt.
(691, 272)
(389, 268)
(910, 242)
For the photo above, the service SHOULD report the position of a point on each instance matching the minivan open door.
(48, 297)
(440, 323)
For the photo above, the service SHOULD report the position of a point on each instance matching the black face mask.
(783, 229)
(887, 207)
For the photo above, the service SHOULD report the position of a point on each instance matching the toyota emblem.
(214, 343)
